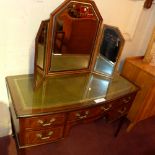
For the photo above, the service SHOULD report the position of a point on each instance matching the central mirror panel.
(75, 28)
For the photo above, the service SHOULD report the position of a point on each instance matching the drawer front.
(105, 107)
(42, 122)
(124, 100)
(84, 114)
(118, 112)
(42, 136)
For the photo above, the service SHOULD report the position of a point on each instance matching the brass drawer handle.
(126, 100)
(106, 109)
(39, 135)
(123, 110)
(46, 124)
(82, 116)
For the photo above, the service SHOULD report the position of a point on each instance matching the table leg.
(122, 119)
(130, 127)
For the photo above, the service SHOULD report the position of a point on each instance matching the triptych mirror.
(75, 40)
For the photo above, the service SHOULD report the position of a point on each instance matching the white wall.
(122, 13)
(137, 46)
(19, 23)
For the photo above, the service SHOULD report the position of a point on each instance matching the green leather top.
(61, 93)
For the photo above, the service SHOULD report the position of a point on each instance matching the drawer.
(42, 136)
(84, 114)
(105, 107)
(115, 103)
(108, 106)
(118, 112)
(42, 122)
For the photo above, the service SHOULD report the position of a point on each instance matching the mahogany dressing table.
(47, 114)
(75, 76)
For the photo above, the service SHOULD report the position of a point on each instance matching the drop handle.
(122, 110)
(126, 100)
(106, 108)
(82, 116)
(39, 135)
(46, 124)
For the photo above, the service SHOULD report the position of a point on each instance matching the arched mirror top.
(74, 29)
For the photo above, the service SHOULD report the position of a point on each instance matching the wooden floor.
(95, 139)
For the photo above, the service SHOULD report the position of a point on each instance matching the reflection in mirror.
(97, 85)
(75, 30)
(109, 51)
(84, 87)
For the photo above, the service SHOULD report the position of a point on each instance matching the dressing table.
(47, 114)
(75, 77)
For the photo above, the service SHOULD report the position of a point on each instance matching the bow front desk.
(46, 115)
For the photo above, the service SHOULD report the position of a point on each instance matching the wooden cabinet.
(142, 75)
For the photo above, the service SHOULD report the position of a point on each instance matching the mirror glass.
(109, 50)
(75, 28)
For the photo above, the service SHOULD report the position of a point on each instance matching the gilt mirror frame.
(120, 49)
